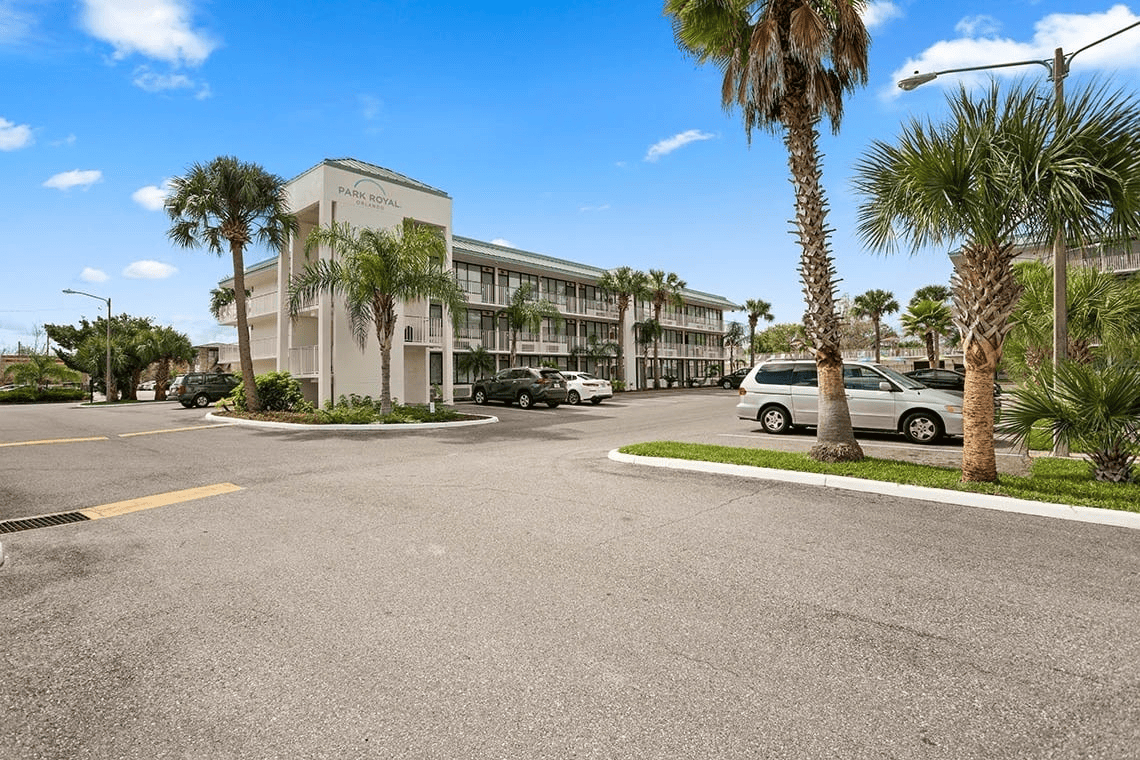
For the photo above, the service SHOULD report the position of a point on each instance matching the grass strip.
(1056, 481)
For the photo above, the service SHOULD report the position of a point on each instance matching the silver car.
(784, 394)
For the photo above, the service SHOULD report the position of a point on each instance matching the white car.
(784, 394)
(582, 386)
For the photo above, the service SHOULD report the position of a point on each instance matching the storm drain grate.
(44, 521)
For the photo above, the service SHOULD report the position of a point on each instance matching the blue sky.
(573, 129)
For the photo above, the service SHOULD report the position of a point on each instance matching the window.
(774, 374)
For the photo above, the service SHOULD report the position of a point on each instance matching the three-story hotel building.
(317, 346)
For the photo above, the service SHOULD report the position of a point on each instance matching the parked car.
(733, 379)
(944, 379)
(785, 394)
(201, 388)
(146, 385)
(582, 386)
(525, 385)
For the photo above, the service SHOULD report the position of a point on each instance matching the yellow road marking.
(54, 440)
(176, 430)
(158, 500)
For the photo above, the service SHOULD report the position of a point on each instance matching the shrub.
(278, 391)
(29, 394)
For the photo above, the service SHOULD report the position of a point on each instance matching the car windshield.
(908, 383)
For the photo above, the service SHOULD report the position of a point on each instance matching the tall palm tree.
(625, 285)
(756, 310)
(787, 63)
(230, 203)
(873, 305)
(663, 288)
(927, 320)
(1002, 167)
(525, 312)
(373, 271)
(733, 339)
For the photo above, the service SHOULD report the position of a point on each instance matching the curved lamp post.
(1058, 69)
(107, 376)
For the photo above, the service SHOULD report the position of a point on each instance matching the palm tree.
(525, 312)
(595, 349)
(372, 271)
(733, 339)
(873, 305)
(1095, 409)
(479, 362)
(625, 285)
(38, 369)
(927, 320)
(165, 345)
(786, 63)
(756, 310)
(662, 288)
(939, 293)
(231, 203)
(221, 298)
(1002, 168)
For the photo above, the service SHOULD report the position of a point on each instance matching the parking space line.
(158, 500)
(177, 430)
(55, 440)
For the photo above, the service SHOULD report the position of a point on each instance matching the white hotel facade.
(317, 347)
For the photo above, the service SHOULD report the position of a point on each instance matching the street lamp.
(1058, 69)
(107, 376)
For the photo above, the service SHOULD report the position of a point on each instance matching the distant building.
(318, 348)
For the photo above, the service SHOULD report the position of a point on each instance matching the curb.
(1111, 517)
(398, 427)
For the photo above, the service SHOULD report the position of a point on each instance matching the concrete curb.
(370, 428)
(962, 498)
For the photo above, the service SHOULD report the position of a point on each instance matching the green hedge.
(27, 394)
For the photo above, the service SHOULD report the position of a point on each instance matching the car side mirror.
(885, 386)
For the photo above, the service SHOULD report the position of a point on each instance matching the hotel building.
(317, 346)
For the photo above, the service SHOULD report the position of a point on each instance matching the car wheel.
(774, 419)
(922, 427)
(480, 396)
(525, 400)
(201, 400)
(595, 401)
(727, 385)
(574, 398)
(553, 404)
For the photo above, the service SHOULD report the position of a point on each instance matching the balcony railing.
(423, 330)
(259, 348)
(303, 361)
(257, 305)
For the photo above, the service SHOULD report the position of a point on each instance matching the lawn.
(1058, 481)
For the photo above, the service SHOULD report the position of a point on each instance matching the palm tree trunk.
(931, 354)
(979, 460)
(621, 343)
(384, 309)
(835, 440)
(878, 342)
(245, 356)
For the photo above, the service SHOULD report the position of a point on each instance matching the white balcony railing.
(303, 361)
(257, 305)
(423, 330)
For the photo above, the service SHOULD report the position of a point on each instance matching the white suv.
(784, 394)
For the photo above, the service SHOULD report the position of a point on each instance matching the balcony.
(258, 305)
(259, 348)
(423, 331)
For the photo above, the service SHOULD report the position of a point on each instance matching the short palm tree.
(939, 293)
(479, 362)
(787, 63)
(1001, 167)
(625, 285)
(596, 350)
(38, 369)
(663, 288)
(927, 320)
(525, 312)
(223, 298)
(163, 346)
(1094, 409)
(873, 305)
(756, 309)
(373, 271)
(231, 204)
(734, 339)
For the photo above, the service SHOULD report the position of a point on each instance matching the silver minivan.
(784, 394)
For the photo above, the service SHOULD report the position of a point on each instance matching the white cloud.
(603, 207)
(876, 14)
(75, 178)
(504, 243)
(670, 144)
(15, 25)
(14, 136)
(149, 270)
(158, 29)
(370, 106)
(152, 197)
(147, 80)
(981, 47)
(92, 275)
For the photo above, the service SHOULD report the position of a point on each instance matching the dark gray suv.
(526, 385)
(200, 388)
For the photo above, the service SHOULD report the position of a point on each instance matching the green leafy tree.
(163, 346)
(40, 368)
(478, 362)
(1002, 167)
(84, 349)
(663, 288)
(374, 270)
(787, 63)
(231, 204)
(525, 312)
(873, 305)
(756, 309)
(625, 285)
(781, 338)
(1094, 409)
